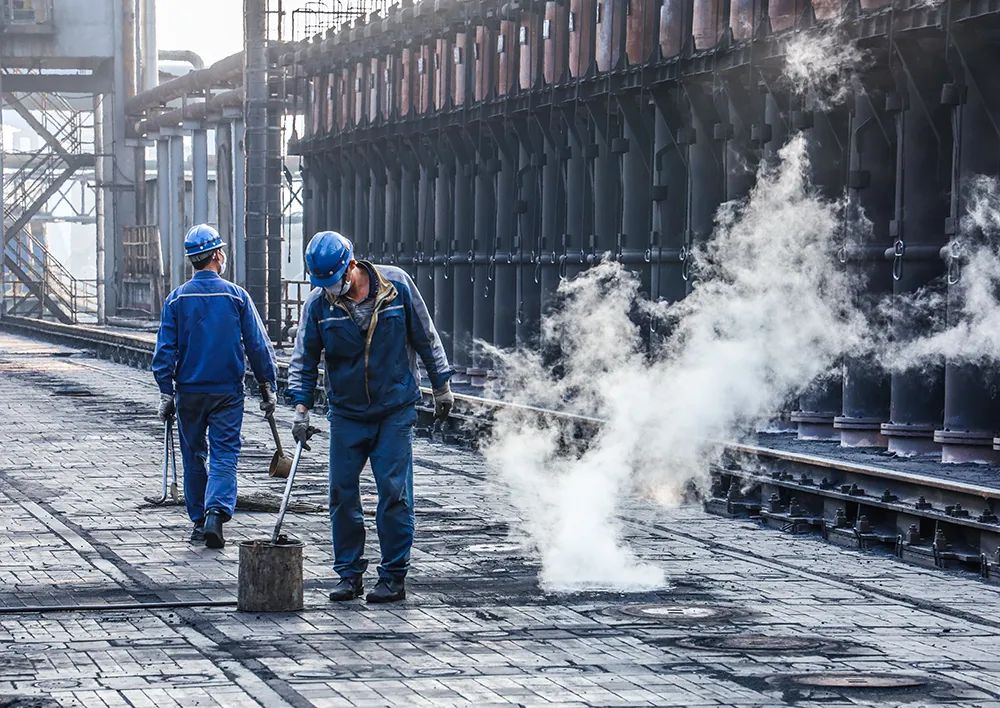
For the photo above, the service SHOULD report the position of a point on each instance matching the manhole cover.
(494, 548)
(676, 613)
(77, 392)
(439, 671)
(755, 643)
(858, 680)
(56, 684)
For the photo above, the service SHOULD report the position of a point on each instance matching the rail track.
(924, 519)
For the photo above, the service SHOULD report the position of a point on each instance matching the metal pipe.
(150, 74)
(971, 396)
(255, 115)
(191, 57)
(239, 248)
(199, 175)
(178, 221)
(870, 181)
(461, 244)
(482, 247)
(163, 210)
(822, 400)
(922, 180)
(444, 213)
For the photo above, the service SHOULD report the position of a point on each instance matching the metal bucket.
(270, 576)
(280, 465)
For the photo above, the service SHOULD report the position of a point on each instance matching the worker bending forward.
(208, 329)
(370, 322)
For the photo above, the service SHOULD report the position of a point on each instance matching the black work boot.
(213, 530)
(387, 590)
(348, 589)
(198, 533)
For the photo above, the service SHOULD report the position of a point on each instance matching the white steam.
(769, 314)
(972, 335)
(822, 66)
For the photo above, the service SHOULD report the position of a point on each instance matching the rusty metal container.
(708, 22)
(425, 76)
(407, 63)
(343, 97)
(555, 43)
(442, 67)
(640, 30)
(459, 68)
(828, 9)
(319, 100)
(388, 91)
(375, 85)
(529, 49)
(506, 58)
(330, 107)
(360, 97)
(609, 22)
(675, 26)
(484, 56)
(743, 18)
(580, 25)
(785, 14)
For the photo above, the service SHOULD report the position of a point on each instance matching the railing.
(293, 298)
(39, 275)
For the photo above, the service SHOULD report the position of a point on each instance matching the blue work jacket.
(208, 329)
(368, 374)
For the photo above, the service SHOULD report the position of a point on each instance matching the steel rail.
(90, 336)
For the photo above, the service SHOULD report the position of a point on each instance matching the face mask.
(222, 265)
(340, 289)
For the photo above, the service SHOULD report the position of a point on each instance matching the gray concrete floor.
(751, 612)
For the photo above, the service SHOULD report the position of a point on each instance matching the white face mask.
(222, 264)
(340, 289)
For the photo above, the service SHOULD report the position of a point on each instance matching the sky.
(212, 28)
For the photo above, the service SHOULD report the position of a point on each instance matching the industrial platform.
(753, 616)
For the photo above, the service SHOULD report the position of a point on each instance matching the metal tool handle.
(173, 460)
(274, 432)
(166, 459)
(288, 493)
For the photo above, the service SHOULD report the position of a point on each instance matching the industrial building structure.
(494, 148)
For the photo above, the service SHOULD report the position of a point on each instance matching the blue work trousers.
(388, 444)
(209, 425)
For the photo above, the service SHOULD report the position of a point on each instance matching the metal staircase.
(41, 285)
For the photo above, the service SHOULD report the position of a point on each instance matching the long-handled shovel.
(169, 463)
(280, 465)
(288, 488)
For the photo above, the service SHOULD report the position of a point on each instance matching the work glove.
(268, 399)
(167, 407)
(301, 429)
(444, 399)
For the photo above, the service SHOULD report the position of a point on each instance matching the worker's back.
(206, 320)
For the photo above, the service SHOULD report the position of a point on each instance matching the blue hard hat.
(201, 238)
(327, 257)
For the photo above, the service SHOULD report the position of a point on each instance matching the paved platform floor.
(754, 617)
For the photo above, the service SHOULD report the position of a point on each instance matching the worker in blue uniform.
(369, 323)
(208, 330)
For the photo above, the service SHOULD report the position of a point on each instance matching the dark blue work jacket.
(372, 373)
(208, 329)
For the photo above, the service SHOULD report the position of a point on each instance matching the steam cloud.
(821, 67)
(764, 320)
(972, 335)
